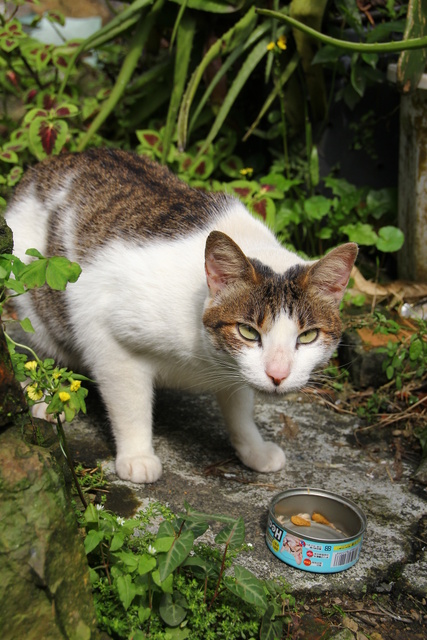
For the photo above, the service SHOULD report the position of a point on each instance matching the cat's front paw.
(139, 469)
(267, 457)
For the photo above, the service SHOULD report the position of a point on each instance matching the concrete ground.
(199, 466)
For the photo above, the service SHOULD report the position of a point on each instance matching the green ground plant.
(169, 585)
(44, 382)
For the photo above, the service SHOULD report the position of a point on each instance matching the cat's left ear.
(225, 262)
(331, 274)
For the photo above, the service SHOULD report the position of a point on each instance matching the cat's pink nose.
(277, 381)
(278, 373)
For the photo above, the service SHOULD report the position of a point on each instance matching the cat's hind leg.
(255, 452)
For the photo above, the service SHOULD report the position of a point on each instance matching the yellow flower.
(30, 365)
(56, 374)
(281, 43)
(64, 396)
(270, 46)
(34, 393)
(248, 171)
(75, 385)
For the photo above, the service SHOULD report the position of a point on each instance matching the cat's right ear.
(225, 263)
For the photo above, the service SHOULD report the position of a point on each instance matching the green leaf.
(15, 285)
(233, 535)
(34, 274)
(60, 271)
(146, 563)
(34, 253)
(390, 239)
(317, 207)
(93, 539)
(163, 544)
(389, 372)
(117, 542)
(249, 65)
(126, 590)
(270, 629)
(362, 233)
(47, 137)
(171, 610)
(415, 349)
(165, 585)
(176, 554)
(26, 325)
(130, 560)
(186, 31)
(248, 587)
(91, 514)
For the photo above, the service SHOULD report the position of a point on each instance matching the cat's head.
(277, 327)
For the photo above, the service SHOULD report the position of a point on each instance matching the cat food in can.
(328, 533)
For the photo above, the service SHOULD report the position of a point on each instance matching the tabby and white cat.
(180, 289)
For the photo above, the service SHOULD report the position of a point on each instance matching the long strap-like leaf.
(185, 35)
(227, 42)
(255, 56)
(234, 55)
(137, 44)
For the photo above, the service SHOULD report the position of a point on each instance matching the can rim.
(322, 493)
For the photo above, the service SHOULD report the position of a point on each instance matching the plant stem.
(69, 460)
(221, 572)
(361, 47)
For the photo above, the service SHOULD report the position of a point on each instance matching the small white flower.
(120, 521)
(151, 550)
(250, 544)
(99, 507)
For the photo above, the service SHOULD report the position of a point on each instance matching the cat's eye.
(308, 336)
(248, 332)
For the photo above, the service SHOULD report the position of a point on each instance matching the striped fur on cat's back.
(179, 288)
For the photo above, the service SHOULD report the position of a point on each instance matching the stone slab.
(200, 467)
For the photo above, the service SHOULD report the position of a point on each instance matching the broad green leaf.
(176, 554)
(60, 271)
(117, 542)
(201, 566)
(166, 585)
(146, 563)
(34, 274)
(163, 544)
(248, 587)
(233, 535)
(47, 137)
(271, 629)
(131, 560)
(14, 285)
(361, 233)
(390, 239)
(126, 590)
(92, 540)
(317, 207)
(91, 515)
(171, 610)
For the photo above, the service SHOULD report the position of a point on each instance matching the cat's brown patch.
(117, 194)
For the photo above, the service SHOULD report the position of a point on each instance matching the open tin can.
(319, 548)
